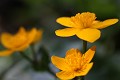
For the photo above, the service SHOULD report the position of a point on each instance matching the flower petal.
(66, 32)
(5, 40)
(59, 63)
(22, 47)
(11, 41)
(30, 38)
(65, 21)
(95, 22)
(65, 75)
(84, 70)
(31, 35)
(89, 34)
(6, 52)
(89, 54)
(38, 36)
(104, 24)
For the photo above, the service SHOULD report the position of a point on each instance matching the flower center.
(77, 70)
(83, 20)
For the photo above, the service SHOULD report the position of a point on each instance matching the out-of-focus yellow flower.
(74, 64)
(38, 36)
(84, 25)
(19, 41)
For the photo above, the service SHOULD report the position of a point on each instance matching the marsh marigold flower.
(84, 25)
(74, 64)
(19, 41)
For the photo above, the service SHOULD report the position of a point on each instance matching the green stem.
(46, 57)
(84, 46)
(79, 78)
(34, 54)
(35, 63)
(26, 57)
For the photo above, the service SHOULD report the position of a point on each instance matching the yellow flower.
(84, 25)
(38, 36)
(74, 64)
(19, 41)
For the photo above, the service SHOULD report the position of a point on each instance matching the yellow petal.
(65, 21)
(6, 52)
(65, 75)
(30, 38)
(66, 32)
(105, 23)
(89, 54)
(5, 37)
(38, 36)
(89, 34)
(11, 41)
(21, 30)
(31, 35)
(22, 47)
(95, 22)
(59, 63)
(84, 70)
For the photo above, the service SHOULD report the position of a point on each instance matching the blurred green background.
(43, 14)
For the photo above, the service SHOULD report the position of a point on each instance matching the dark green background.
(43, 14)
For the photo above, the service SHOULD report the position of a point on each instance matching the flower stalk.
(26, 57)
(79, 78)
(34, 53)
(84, 46)
(35, 59)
